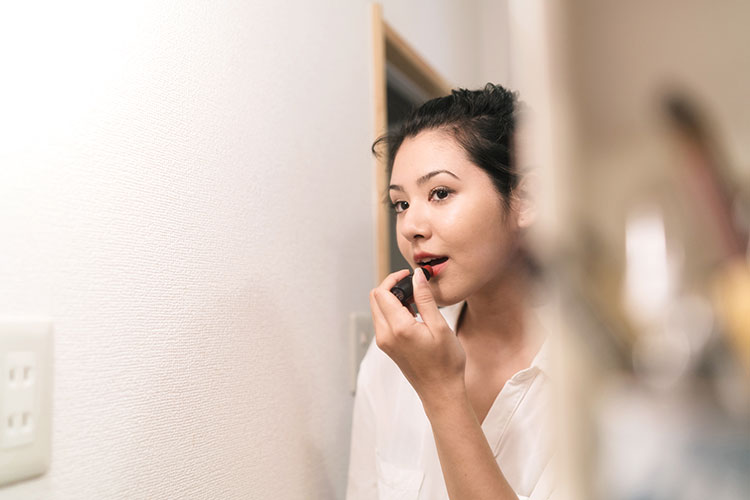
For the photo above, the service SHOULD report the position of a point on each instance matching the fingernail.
(419, 276)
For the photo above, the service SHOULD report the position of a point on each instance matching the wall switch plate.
(25, 399)
(361, 332)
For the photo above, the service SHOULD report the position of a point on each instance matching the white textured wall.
(446, 32)
(186, 191)
(495, 37)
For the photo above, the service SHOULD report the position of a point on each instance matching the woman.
(451, 404)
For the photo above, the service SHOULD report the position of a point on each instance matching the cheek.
(475, 219)
(483, 232)
(403, 244)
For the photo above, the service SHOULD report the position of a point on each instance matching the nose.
(414, 223)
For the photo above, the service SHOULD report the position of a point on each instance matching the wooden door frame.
(389, 48)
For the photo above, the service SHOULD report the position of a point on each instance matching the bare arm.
(433, 361)
(469, 468)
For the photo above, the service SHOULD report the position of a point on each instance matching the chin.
(443, 299)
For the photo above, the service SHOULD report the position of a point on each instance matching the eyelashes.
(399, 206)
(436, 195)
(440, 193)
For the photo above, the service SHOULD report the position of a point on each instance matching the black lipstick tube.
(404, 291)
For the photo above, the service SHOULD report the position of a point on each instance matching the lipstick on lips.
(404, 291)
(436, 262)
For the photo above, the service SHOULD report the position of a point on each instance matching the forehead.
(428, 151)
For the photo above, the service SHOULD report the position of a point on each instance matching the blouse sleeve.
(362, 481)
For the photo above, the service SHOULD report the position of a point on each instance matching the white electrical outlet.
(361, 332)
(25, 399)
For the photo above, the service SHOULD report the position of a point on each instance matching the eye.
(399, 206)
(440, 193)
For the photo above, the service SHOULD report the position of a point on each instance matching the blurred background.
(645, 237)
(187, 193)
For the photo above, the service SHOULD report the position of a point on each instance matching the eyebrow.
(423, 179)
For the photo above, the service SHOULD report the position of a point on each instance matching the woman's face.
(448, 208)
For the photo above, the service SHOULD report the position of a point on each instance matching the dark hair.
(482, 121)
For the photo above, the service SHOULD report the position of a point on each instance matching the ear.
(524, 200)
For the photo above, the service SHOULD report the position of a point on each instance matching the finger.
(378, 319)
(393, 278)
(383, 332)
(395, 314)
(425, 301)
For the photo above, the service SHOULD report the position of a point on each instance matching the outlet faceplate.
(361, 333)
(25, 398)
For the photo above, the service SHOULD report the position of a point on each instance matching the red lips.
(436, 262)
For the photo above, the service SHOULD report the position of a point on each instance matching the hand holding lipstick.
(428, 352)
(404, 289)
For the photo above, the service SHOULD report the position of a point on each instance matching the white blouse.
(393, 454)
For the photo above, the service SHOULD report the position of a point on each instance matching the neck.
(498, 310)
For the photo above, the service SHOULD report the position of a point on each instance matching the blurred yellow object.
(732, 301)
